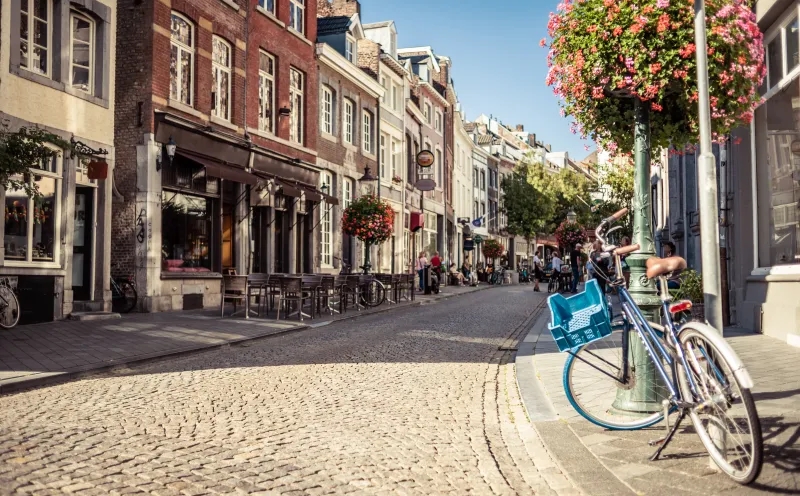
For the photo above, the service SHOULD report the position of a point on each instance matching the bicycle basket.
(580, 319)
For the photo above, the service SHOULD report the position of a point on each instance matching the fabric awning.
(288, 190)
(221, 170)
(313, 196)
(330, 200)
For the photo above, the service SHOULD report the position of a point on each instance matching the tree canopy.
(22, 150)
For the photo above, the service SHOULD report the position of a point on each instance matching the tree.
(527, 201)
(617, 187)
(22, 150)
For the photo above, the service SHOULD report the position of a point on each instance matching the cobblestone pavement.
(621, 458)
(417, 401)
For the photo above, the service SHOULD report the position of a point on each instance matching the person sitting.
(455, 274)
(668, 250)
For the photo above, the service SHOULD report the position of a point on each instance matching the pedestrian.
(556, 264)
(436, 265)
(575, 263)
(537, 268)
(422, 262)
(600, 262)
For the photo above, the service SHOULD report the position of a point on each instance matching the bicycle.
(554, 283)
(123, 295)
(9, 305)
(697, 374)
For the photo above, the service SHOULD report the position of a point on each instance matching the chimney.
(532, 140)
(369, 56)
(520, 128)
(347, 8)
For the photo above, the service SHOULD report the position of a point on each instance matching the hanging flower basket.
(369, 219)
(492, 249)
(569, 234)
(604, 54)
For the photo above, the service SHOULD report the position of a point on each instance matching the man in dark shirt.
(575, 261)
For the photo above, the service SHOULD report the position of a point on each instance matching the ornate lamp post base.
(367, 265)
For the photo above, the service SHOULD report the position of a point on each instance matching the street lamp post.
(648, 392)
(367, 185)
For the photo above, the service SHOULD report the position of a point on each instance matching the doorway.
(281, 242)
(82, 244)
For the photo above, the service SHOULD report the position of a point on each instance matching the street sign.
(425, 185)
(425, 158)
(478, 239)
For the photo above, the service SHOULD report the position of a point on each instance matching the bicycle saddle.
(659, 266)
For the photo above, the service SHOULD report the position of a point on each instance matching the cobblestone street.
(416, 401)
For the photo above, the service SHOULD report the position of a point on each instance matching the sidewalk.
(40, 354)
(615, 462)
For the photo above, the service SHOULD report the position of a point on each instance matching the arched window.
(181, 66)
(81, 52)
(220, 78)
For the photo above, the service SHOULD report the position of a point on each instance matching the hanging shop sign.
(97, 169)
(425, 158)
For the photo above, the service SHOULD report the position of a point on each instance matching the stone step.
(94, 316)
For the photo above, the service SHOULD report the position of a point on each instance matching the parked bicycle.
(373, 293)
(123, 294)
(695, 371)
(9, 304)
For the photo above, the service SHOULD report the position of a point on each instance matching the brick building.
(216, 134)
(349, 125)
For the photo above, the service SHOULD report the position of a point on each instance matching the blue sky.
(498, 66)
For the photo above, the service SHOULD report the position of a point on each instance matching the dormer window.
(350, 49)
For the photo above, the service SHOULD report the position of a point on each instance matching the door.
(281, 242)
(227, 237)
(347, 249)
(82, 244)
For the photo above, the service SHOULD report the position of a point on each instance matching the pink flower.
(662, 4)
(543, 42)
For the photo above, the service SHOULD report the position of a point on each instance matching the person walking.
(556, 264)
(600, 265)
(575, 263)
(537, 268)
(422, 261)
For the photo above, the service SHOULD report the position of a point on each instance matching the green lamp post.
(367, 181)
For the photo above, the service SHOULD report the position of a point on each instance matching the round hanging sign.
(425, 158)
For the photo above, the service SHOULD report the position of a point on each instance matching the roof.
(383, 24)
(469, 126)
(332, 25)
(591, 158)
(484, 139)
(415, 59)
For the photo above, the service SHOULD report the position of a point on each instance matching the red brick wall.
(289, 51)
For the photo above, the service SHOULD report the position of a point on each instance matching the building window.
(221, 78)
(483, 209)
(475, 209)
(483, 181)
(32, 224)
(439, 168)
(395, 100)
(383, 156)
(438, 121)
(297, 103)
(35, 35)
(326, 110)
(475, 177)
(395, 152)
(326, 178)
(181, 64)
(297, 14)
(82, 46)
(778, 178)
(347, 192)
(428, 115)
(268, 5)
(430, 231)
(266, 92)
(350, 49)
(187, 232)
(367, 128)
(349, 123)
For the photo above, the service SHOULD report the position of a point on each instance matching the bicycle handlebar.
(617, 216)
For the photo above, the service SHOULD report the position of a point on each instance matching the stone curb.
(572, 457)
(51, 378)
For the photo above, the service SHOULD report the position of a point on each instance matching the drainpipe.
(445, 249)
(723, 230)
(380, 164)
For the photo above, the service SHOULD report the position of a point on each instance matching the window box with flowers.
(397, 179)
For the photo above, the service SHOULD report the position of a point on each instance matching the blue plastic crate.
(579, 319)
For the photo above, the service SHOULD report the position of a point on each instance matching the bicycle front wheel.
(9, 308)
(595, 377)
(123, 297)
(374, 294)
(724, 414)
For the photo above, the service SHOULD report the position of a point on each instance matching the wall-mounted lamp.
(159, 157)
(171, 147)
(324, 188)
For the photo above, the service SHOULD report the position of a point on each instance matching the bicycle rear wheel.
(593, 377)
(9, 308)
(725, 408)
(123, 298)
(374, 294)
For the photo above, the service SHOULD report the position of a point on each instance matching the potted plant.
(369, 219)
(396, 179)
(692, 289)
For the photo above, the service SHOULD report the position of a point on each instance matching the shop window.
(181, 64)
(186, 226)
(220, 79)
(779, 177)
(31, 224)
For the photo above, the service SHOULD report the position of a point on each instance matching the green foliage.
(23, 150)
(617, 181)
(691, 287)
(527, 201)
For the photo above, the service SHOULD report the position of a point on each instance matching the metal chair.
(257, 287)
(329, 295)
(388, 281)
(313, 283)
(234, 289)
(352, 288)
(292, 291)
